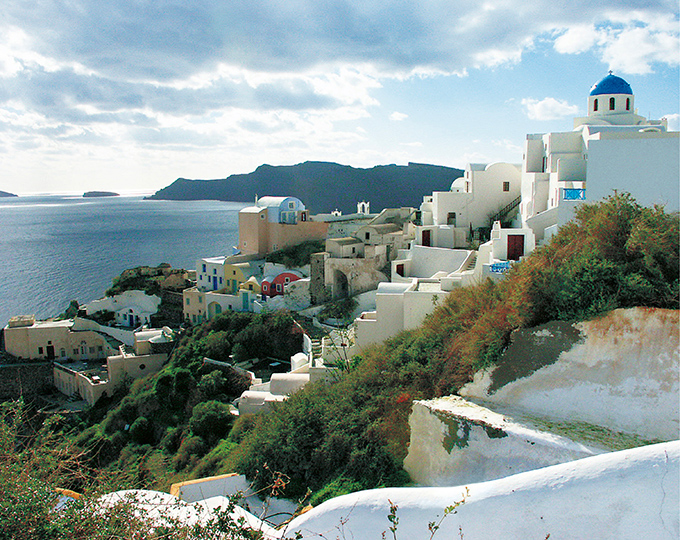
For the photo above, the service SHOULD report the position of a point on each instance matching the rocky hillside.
(322, 186)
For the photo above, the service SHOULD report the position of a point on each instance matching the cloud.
(634, 49)
(630, 43)
(249, 74)
(166, 40)
(548, 108)
(673, 121)
(508, 145)
(576, 39)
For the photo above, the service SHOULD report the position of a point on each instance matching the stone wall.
(25, 379)
(317, 287)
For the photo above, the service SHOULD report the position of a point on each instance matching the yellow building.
(47, 340)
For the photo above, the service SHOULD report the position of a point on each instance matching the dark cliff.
(322, 186)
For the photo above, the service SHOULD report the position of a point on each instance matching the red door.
(515, 246)
(426, 237)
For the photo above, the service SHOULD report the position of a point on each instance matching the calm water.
(54, 249)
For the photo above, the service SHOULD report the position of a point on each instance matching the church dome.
(611, 84)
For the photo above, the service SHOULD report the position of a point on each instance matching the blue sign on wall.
(571, 194)
(500, 267)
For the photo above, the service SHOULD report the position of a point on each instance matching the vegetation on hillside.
(151, 280)
(161, 430)
(353, 434)
(38, 465)
(330, 438)
(298, 255)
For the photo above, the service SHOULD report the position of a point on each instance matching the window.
(233, 272)
(221, 281)
(451, 218)
(142, 366)
(200, 299)
(214, 271)
(261, 216)
(595, 105)
(287, 280)
(194, 317)
(628, 104)
(91, 350)
(278, 287)
(40, 350)
(368, 236)
(63, 353)
(75, 351)
(354, 250)
(303, 216)
(100, 348)
(506, 186)
(612, 103)
(291, 205)
(188, 301)
(204, 268)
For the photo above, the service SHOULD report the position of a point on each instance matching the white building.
(131, 308)
(476, 199)
(613, 148)
(399, 306)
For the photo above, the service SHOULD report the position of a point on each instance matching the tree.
(211, 420)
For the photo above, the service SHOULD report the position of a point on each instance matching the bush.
(141, 431)
(340, 309)
(188, 452)
(211, 420)
(171, 439)
(339, 486)
(217, 345)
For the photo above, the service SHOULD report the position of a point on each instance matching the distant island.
(322, 186)
(89, 194)
(6, 194)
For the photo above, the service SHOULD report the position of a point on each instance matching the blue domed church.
(611, 102)
(611, 149)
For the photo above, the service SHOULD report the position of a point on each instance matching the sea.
(58, 248)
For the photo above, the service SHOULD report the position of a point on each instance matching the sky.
(130, 95)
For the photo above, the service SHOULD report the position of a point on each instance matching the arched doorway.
(340, 285)
(214, 309)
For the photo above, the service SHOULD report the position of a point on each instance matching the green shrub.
(211, 420)
(340, 309)
(339, 486)
(189, 451)
(141, 431)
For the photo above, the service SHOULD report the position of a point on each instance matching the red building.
(274, 285)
